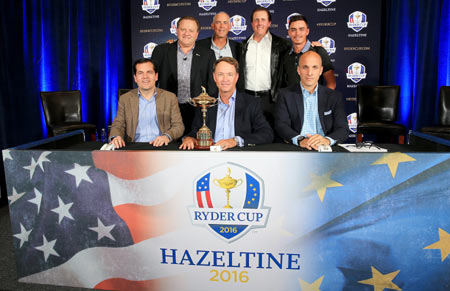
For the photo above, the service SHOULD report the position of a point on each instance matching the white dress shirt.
(257, 62)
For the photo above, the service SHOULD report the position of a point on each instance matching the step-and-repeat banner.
(149, 220)
(348, 29)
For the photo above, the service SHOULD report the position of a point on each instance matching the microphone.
(185, 58)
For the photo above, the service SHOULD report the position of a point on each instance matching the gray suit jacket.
(167, 112)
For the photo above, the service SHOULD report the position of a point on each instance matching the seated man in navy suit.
(238, 119)
(308, 114)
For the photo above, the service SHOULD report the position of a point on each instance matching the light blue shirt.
(223, 52)
(311, 120)
(148, 127)
(225, 120)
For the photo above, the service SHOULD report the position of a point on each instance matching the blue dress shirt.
(148, 127)
(225, 120)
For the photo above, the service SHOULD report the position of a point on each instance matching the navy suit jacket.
(165, 57)
(289, 113)
(249, 121)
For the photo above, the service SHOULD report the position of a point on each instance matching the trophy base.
(203, 144)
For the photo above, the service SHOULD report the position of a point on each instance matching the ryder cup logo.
(325, 2)
(357, 21)
(207, 4)
(288, 19)
(352, 122)
(229, 201)
(356, 72)
(148, 49)
(173, 26)
(150, 5)
(237, 24)
(328, 44)
(265, 3)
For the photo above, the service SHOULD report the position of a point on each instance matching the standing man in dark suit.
(219, 43)
(184, 67)
(237, 120)
(308, 114)
(261, 59)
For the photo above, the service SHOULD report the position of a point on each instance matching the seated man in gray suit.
(146, 114)
(308, 114)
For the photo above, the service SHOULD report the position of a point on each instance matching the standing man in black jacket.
(261, 59)
(185, 67)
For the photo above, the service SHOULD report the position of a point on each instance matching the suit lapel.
(173, 59)
(134, 105)
(212, 118)
(238, 112)
(196, 60)
(298, 97)
(321, 103)
(159, 108)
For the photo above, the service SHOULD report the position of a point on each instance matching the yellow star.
(392, 160)
(321, 183)
(305, 286)
(380, 281)
(443, 244)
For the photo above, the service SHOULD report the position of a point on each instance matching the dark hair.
(144, 60)
(229, 60)
(261, 9)
(298, 18)
(190, 18)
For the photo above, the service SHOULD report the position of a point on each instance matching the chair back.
(123, 91)
(61, 107)
(377, 103)
(444, 105)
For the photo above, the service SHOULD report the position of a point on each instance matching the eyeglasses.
(366, 144)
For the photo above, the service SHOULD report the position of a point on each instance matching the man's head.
(188, 28)
(309, 69)
(298, 29)
(145, 74)
(261, 21)
(221, 25)
(226, 74)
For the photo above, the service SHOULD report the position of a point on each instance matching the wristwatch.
(300, 138)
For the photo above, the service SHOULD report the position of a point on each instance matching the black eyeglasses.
(366, 144)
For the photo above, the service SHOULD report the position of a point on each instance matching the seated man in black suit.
(308, 114)
(238, 119)
(185, 67)
(219, 43)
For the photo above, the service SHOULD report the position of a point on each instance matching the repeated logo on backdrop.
(288, 19)
(357, 21)
(356, 72)
(328, 44)
(229, 200)
(326, 3)
(238, 24)
(264, 3)
(148, 50)
(207, 4)
(173, 26)
(352, 121)
(150, 5)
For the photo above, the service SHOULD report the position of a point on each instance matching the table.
(156, 220)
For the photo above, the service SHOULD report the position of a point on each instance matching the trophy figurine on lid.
(204, 139)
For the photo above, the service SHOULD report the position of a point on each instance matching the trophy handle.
(239, 182)
(216, 182)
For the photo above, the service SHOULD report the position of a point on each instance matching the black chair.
(443, 128)
(62, 110)
(377, 112)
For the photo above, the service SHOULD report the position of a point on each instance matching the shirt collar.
(304, 50)
(268, 37)
(232, 98)
(215, 46)
(306, 92)
(189, 52)
(143, 99)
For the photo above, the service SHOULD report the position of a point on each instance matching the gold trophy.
(227, 183)
(204, 139)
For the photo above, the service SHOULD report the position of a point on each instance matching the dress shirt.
(184, 63)
(225, 120)
(148, 127)
(221, 52)
(311, 120)
(257, 61)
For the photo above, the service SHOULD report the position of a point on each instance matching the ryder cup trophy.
(204, 139)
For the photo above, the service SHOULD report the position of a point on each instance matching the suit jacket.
(167, 112)
(289, 113)
(279, 47)
(249, 121)
(234, 46)
(165, 57)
